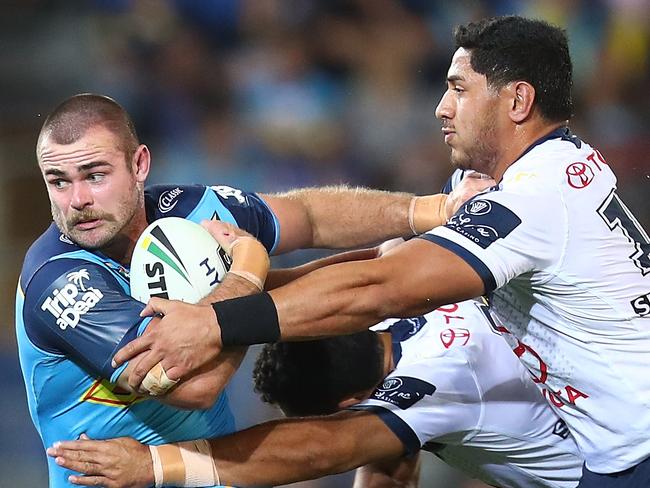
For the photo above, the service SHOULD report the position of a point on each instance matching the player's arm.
(343, 217)
(411, 279)
(272, 453)
(403, 472)
(280, 277)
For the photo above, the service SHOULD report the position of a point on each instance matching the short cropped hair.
(312, 377)
(512, 48)
(70, 120)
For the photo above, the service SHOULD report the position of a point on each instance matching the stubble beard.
(481, 156)
(112, 226)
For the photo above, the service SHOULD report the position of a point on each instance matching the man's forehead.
(461, 64)
(95, 142)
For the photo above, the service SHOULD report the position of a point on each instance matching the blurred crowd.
(266, 95)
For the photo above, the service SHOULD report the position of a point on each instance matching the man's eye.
(95, 177)
(58, 184)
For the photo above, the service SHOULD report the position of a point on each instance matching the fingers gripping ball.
(175, 259)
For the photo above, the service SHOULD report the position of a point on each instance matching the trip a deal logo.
(68, 303)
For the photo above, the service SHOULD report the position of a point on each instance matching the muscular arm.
(289, 450)
(338, 216)
(344, 217)
(272, 453)
(280, 277)
(411, 279)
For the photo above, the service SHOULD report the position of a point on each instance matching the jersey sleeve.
(220, 202)
(503, 236)
(78, 309)
(424, 402)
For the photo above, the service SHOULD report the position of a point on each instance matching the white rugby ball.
(176, 259)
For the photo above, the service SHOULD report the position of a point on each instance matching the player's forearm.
(201, 390)
(280, 277)
(340, 299)
(414, 278)
(343, 217)
(290, 450)
(232, 286)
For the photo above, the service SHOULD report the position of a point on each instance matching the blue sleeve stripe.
(276, 224)
(224, 214)
(477, 265)
(399, 427)
(143, 325)
(116, 374)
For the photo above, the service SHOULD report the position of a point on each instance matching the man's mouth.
(87, 224)
(448, 133)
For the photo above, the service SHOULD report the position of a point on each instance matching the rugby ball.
(176, 259)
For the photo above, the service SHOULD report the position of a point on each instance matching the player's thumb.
(154, 306)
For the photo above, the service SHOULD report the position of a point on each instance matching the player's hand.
(186, 338)
(115, 463)
(224, 233)
(471, 185)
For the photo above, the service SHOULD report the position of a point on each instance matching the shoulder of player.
(194, 201)
(49, 245)
(79, 267)
(556, 166)
(457, 330)
(172, 200)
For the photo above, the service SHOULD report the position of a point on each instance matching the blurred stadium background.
(266, 95)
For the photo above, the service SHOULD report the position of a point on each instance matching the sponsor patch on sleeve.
(483, 222)
(403, 391)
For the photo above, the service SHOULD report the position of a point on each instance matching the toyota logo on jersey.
(579, 175)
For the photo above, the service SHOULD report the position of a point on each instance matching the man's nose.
(81, 196)
(444, 110)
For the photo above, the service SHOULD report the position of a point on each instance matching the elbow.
(193, 400)
(205, 402)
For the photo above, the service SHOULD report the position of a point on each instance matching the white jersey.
(459, 391)
(570, 270)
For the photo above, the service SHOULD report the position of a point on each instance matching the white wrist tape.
(184, 464)
(157, 382)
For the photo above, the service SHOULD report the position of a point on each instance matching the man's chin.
(88, 241)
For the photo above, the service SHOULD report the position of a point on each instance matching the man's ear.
(522, 96)
(141, 163)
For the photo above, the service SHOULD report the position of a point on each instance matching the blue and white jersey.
(74, 311)
(569, 268)
(458, 390)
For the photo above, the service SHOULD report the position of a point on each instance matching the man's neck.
(522, 137)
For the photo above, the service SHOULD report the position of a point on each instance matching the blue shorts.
(635, 477)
